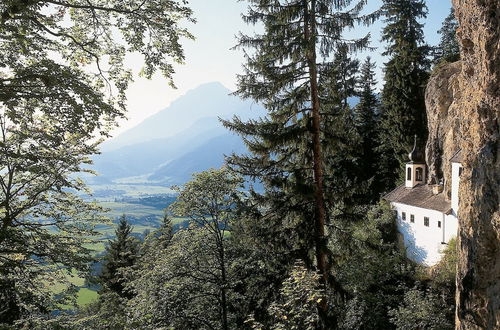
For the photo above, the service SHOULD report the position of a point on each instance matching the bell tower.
(415, 168)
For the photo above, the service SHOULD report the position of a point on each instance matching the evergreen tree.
(340, 78)
(287, 146)
(406, 74)
(121, 253)
(344, 181)
(448, 49)
(365, 116)
(374, 271)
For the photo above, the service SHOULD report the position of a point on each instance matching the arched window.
(408, 175)
(419, 174)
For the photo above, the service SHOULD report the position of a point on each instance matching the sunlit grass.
(137, 213)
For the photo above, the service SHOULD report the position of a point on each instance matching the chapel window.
(419, 174)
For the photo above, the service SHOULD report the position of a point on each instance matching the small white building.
(426, 218)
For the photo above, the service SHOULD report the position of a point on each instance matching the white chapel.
(426, 218)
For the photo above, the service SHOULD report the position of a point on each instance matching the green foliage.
(372, 270)
(284, 70)
(181, 285)
(82, 34)
(420, 310)
(62, 85)
(296, 307)
(444, 273)
(185, 280)
(106, 313)
(259, 265)
(209, 198)
(121, 254)
(448, 49)
(366, 120)
(406, 74)
(345, 183)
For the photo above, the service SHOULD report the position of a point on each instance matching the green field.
(131, 190)
(142, 218)
(117, 209)
(86, 296)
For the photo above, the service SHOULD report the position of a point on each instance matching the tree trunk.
(320, 212)
(478, 271)
(223, 289)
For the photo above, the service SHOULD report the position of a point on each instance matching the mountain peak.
(210, 86)
(207, 100)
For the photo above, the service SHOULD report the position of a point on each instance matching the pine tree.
(406, 74)
(448, 49)
(282, 72)
(344, 180)
(340, 78)
(365, 116)
(121, 253)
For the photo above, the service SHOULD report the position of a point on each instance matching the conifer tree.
(282, 72)
(365, 116)
(344, 182)
(341, 78)
(448, 49)
(121, 253)
(406, 74)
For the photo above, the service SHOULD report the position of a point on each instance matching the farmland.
(144, 211)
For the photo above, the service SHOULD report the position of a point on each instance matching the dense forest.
(316, 248)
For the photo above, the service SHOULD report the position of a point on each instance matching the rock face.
(443, 120)
(463, 101)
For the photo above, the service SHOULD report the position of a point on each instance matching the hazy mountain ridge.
(208, 155)
(207, 100)
(169, 146)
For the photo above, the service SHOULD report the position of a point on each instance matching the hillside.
(169, 146)
(209, 100)
(208, 155)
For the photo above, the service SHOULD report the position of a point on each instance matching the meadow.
(143, 210)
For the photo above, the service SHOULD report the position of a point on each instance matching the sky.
(211, 58)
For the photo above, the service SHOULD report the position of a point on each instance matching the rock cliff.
(443, 120)
(463, 104)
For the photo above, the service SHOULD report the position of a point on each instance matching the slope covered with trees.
(316, 248)
(62, 86)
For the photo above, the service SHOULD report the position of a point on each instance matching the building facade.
(426, 217)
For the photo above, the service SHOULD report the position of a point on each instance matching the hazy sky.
(210, 58)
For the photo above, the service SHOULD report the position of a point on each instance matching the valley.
(137, 169)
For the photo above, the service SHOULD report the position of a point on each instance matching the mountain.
(169, 146)
(207, 100)
(145, 157)
(208, 155)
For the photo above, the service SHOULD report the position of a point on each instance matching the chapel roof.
(420, 196)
